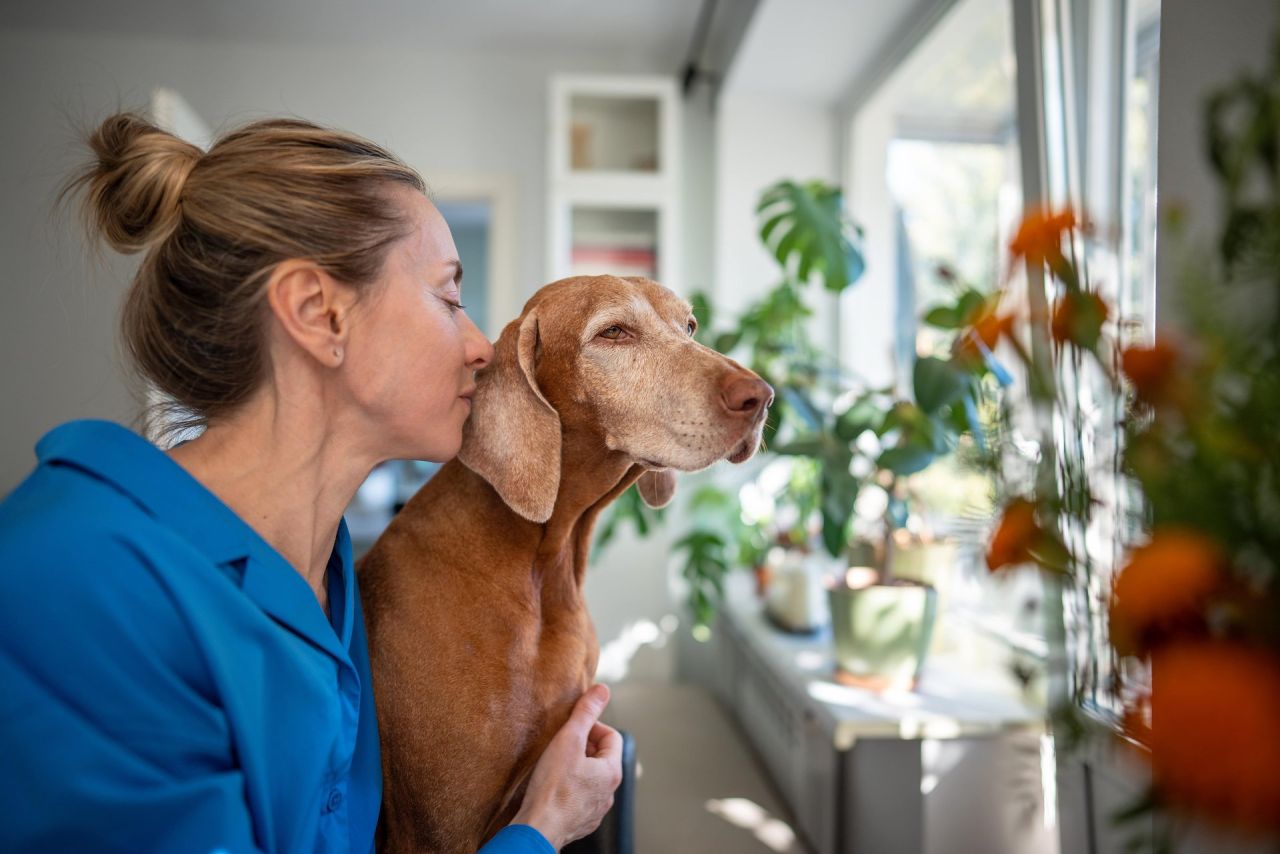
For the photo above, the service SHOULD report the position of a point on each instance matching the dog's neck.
(596, 477)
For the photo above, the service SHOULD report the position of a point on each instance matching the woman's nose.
(479, 352)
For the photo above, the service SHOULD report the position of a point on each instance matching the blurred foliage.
(1195, 600)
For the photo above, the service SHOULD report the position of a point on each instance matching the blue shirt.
(168, 682)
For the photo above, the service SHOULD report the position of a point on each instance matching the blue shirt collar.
(167, 492)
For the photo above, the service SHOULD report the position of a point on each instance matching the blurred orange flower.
(1078, 317)
(1151, 370)
(988, 327)
(1166, 583)
(1214, 738)
(1015, 537)
(1039, 237)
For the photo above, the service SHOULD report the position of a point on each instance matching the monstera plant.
(838, 434)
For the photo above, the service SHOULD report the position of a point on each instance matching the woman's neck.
(289, 478)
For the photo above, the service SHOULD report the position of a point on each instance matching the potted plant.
(884, 606)
(830, 439)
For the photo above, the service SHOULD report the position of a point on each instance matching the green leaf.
(970, 306)
(702, 310)
(943, 317)
(835, 535)
(766, 230)
(629, 507)
(938, 383)
(806, 222)
(839, 492)
(710, 497)
(904, 415)
(783, 248)
(809, 446)
(857, 419)
(726, 341)
(905, 460)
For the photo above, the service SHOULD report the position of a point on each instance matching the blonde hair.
(214, 224)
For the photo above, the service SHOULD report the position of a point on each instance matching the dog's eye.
(692, 326)
(613, 333)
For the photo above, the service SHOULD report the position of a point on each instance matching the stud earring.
(338, 352)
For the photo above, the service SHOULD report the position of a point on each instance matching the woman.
(182, 648)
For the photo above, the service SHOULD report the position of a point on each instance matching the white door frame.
(500, 192)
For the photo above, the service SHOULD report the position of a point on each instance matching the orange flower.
(1215, 743)
(1015, 537)
(1165, 584)
(988, 327)
(1078, 317)
(1039, 237)
(1151, 370)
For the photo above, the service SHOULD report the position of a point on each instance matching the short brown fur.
(479, 635)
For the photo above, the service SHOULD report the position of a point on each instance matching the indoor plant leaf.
(806, 222)
(907, 459)
(938, 383)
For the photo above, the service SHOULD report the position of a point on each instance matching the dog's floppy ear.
(512, 438)
(657, 486)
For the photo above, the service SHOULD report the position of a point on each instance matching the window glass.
(934, 179)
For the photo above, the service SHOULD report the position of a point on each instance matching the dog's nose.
(746, 395)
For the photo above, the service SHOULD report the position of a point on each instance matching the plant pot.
(881, 633)
(795, 601)
(932, 563)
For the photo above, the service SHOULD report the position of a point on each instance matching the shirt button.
(333, 801)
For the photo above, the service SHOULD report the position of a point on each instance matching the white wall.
(442, 112)
(868, 311)
(760, 140)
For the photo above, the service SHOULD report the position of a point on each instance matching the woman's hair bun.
(135, 181)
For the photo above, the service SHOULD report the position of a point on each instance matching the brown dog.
(479, 636)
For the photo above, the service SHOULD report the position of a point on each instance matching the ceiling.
(659, 29)
(814, 50)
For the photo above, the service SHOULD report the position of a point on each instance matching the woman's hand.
(573, 783)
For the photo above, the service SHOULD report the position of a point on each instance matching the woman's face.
(413, 352)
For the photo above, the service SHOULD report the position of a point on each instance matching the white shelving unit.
(614, 171)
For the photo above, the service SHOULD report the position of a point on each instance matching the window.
(1099, 64)
(998, 102)
(935, 180)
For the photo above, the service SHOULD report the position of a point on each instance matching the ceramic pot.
(881, 633)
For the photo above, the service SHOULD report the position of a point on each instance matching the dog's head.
(613, 358)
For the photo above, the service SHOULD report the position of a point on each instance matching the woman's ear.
(512, 438)
(657, 487)
(311, 307)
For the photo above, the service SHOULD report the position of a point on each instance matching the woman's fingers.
(598, 731)
(607, 750)
(606, 741)
(583, 718)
